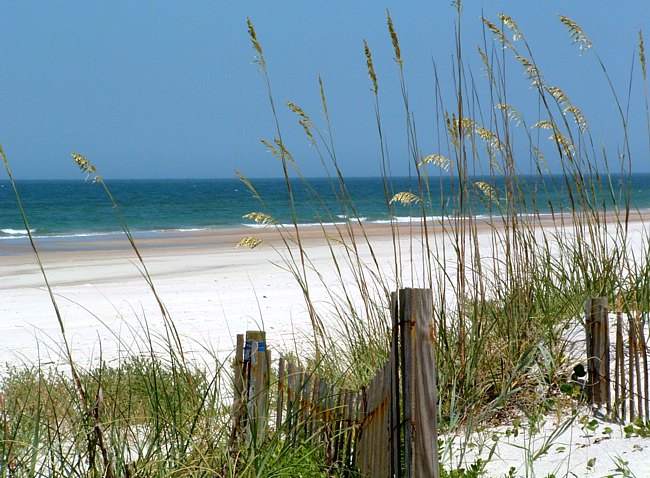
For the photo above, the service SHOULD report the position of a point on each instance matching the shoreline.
(174, 238)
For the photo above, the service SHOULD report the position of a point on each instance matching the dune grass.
(508, 290)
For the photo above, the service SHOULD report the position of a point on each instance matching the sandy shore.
(212, 290)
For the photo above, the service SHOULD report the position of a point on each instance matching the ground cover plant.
(509, 282)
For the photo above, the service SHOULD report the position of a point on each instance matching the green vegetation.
(508, 291)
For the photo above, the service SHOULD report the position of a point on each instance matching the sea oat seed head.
(576, 33)
(579, 118)
(531, 71)
(642, 55)
(284, 152)
(249, 241)
(544, 124)
(393, 37)
(488, 191)
(371, 67)
(260, 218)
(497, 33)
(256, 43)
(558, 94)
(490, 138)
(86, 167)
(511, 113)
(405, 197)
(510, 23)
(437, 159)
(563, 142)
(270, 147)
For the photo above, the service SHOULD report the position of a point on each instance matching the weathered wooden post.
(281, 391)
(413, 366)
(597, 339)
(259, 358)
(620, 395)
(238, 390)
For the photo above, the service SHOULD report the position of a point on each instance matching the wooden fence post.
(418, 378)
(238, 390)
(259, 356)
(597, 340)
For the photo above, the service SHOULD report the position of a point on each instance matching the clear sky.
(153, 89)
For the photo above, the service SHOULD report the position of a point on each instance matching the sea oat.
(450, 121)
(256, 43)
(371, 67)
(466, 125)
(540, 155)
(531, 71)
(558, 94)
(303, 120)
(579, 118)
(510, 23)
(490, 138)
(278, 150)
(563, 142)
(86, 167)
(497, 33)
(284, 152)
(393, 37)
(249, 241)
(405, 198)
(544, 124)
(486, 63)
(511, 113)
(576, 33)
(260, 218)
(642, 55)
(488, 191)
(437, 159)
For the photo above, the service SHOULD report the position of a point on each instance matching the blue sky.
(169, 89)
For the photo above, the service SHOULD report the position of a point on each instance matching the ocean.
(80, 209)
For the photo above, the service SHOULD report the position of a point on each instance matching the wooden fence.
(629, 381)
(310, 409)
(388, 429)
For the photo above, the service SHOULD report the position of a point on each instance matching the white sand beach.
(214, 291)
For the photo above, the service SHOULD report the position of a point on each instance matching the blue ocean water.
(81, 209)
